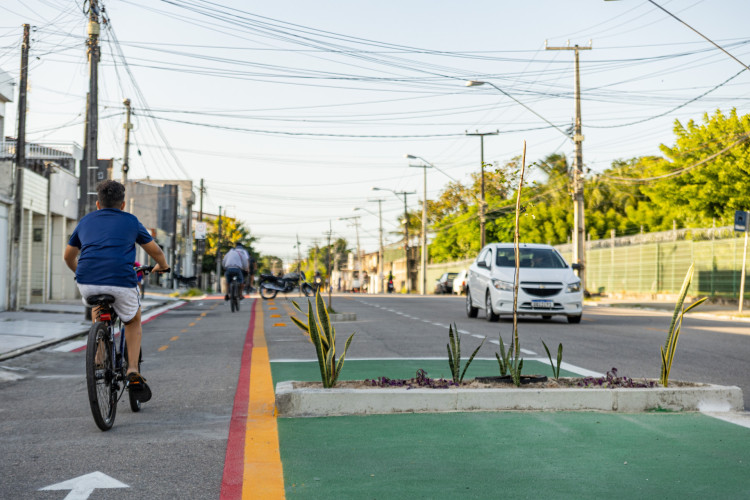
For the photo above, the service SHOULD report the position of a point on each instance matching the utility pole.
(406, 239)
(15, 262)
(579, 230)
(125, 156)
(381, 256)
(482, 204)
(218, 254)
(86, 202)
(423, 265)
(328, 263)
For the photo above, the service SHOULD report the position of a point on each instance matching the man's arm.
(70, 256)
(153, 250)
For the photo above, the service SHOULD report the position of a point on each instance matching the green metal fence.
(657, 262)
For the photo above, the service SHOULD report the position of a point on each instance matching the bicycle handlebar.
(148, 269)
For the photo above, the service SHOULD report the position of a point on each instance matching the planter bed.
(309, 399)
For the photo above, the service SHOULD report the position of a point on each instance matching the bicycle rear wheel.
(233, 297)
(100, 376)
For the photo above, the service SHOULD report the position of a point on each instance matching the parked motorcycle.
(271, 285)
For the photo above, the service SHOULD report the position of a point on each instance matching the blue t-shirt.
(107, 239)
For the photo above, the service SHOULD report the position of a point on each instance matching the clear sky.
(292, 111)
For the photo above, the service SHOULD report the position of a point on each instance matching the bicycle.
(234, 294)
(107, 361)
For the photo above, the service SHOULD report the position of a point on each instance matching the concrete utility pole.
(329, 234)
(15, 256)
(406, 239)
(579, 230)
(381, 256)
(126, 154)
(87, 203)
(482, 203)
(218, 254)
(423, 264)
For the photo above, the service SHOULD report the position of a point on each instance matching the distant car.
(459, 282)
(445, 283)
(547, 284)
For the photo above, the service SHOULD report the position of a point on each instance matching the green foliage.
(233, 231)
(454, 355)
(322, 334)
(555, 369)
(684, 192)
(510, 361)
(668, 351)
(503, 359)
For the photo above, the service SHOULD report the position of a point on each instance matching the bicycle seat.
(100, 300)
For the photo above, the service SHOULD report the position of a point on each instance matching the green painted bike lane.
(506, 454)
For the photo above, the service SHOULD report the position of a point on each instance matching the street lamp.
(398, 194)
(423, 265)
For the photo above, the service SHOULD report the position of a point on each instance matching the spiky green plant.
(510, 361)
(454, 355)
(503, 359)
(323, 336)
(667, 352)
(555, 369)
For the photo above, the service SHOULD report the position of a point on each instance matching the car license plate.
(542, 304)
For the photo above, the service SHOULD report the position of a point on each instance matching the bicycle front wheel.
(100, 376)
(234, 297)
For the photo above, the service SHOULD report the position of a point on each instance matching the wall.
(4, 254)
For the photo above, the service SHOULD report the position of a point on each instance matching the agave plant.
(454, 355)
(667, 352)
(555, 369)
(323, 336)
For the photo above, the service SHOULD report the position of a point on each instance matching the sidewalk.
(705, 310)
(42, 325)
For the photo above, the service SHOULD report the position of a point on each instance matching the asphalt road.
(175, 447)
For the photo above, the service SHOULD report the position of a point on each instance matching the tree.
(233, 231)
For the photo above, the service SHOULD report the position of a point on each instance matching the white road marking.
(83, 486)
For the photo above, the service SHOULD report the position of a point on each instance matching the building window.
(37, 234)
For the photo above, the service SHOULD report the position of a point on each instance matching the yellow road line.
(163, 348)
(191, 324)
(263, 476)
(276, 315)
(184, 330)
(174, 338)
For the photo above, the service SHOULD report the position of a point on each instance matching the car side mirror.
(483, 264)
(576, 266)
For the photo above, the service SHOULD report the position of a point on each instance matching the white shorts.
(127, 300)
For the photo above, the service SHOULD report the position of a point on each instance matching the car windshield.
(539, 258)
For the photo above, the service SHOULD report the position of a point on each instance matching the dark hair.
(111, 194)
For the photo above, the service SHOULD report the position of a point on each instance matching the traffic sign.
(200, 230)
(740, 220)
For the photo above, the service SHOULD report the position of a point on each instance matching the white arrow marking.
(81, 487)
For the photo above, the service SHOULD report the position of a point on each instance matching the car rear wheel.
(489, 313)
(471, 311)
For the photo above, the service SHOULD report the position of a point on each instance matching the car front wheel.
(471, 311)
(489, 313)
(574, 319)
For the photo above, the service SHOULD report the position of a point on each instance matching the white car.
(460, 281)
(547, 284)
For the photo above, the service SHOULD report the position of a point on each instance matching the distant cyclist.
(236, 262)
(105, 240)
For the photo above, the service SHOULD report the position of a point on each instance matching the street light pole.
(482, 203)
(406, 231)
(381, 252)
(423, 264)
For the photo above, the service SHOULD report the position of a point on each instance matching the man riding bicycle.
(106, 242)
(236, 262)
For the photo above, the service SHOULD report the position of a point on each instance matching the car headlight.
(502, 285)
(574, 287)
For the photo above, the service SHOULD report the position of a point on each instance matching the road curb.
(292, 401)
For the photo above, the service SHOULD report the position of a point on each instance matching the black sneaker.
(138, 386)
(226, 297)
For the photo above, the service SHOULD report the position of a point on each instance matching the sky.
(293, 111)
